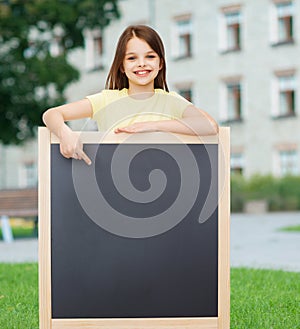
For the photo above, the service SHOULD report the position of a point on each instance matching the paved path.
(256, 241)
(19, 251)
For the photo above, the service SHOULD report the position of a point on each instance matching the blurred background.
(237, 60)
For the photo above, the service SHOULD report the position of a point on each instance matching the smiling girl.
(136, 98)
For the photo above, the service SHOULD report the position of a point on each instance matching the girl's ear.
(122, 69)
(160, 64)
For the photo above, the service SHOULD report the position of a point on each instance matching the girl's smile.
(141, 66)
(142, 73)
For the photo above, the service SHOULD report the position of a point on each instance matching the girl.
(136, 98)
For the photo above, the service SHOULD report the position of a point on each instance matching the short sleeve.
(179, 104)
(98, 101)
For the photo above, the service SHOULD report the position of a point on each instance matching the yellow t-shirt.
(115, 108)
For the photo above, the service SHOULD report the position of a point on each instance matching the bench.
(17, 203)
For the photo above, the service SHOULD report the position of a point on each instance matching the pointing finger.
(84, 157)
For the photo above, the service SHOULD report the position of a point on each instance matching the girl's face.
(141, 65)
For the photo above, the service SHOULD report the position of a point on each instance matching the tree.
(35, 39)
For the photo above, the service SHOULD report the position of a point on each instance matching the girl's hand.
(138, 127)
(71, 147)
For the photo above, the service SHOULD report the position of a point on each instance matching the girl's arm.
(193, 122)
(54, 119)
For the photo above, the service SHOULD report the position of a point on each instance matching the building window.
(230, 33)
(94, 52)
(234, 101)
(182, 37)
(282, 22)
(233, 31)
(186, 93)
(285, 95)
(28, 175)
(231, 101)
(56, 46)
(288, 160)
(237, 163)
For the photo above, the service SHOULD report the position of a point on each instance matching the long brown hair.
(117, 79)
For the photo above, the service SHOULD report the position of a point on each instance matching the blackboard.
(99, 271)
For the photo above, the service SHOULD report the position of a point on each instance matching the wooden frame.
(222, 321)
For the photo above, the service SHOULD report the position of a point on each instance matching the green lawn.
(18, 296)
(263, 299)
(20, 232)
(295, 228)
(260, 299)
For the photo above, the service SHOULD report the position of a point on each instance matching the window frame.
(225, 111)
(28, 174)
(289, 92)
(282, 152)
(226, 26)
(184, 34)
(237, 162)
(94, 53)
(288, 22)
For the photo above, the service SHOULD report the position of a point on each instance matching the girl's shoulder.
(164, 92)
(161, 91)
(114, 93)
(110, 92)
(106, 97)
(172, 93)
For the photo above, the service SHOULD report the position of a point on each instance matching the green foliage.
(21, 232)
(294, 228)
(290, 191)
(280, 193)
(260, 299)
(261, 187)
(19, 296)
(238, 187)
(32, 78)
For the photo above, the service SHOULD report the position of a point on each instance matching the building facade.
(237, 60)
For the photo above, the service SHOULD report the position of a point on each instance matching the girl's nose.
(141, 62)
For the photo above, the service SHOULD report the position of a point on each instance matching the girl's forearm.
(54, 120)
(189, 126)
(70, 144)
(55, 117)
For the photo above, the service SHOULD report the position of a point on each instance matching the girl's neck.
(141, 92)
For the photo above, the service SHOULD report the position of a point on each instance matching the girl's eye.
(132, 58)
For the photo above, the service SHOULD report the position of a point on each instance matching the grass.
(21, 229)
(18, 296)
(295, 228)
(260, 299)
(264, 299)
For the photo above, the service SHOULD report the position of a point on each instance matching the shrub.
(280, 193)
(238, 187)
(261, 187)
(289, 189)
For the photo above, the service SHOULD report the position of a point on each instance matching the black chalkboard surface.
(98, 274)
